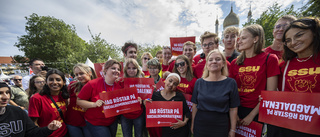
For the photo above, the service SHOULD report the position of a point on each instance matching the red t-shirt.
(41, 107)
(146, 74)
(75, 114)
(199, 65)
(90, 92)
(251, 77)
(277, 53)
(168, 67)
(301, 76)
(187, 86)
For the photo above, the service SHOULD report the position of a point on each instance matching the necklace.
(3, 110)
(303, 60)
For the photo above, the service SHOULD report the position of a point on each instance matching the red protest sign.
(252, 130)
(160, 86)
(99, 69)
(292, 110)
(177, 44)
(163, 113)
(120, 101)
(188, 100)
(144, 86)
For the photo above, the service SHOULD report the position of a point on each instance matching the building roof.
(231, 19)
(6, 60)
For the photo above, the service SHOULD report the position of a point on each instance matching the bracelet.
(232, 130)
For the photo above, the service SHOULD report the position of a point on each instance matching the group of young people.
(224, 85)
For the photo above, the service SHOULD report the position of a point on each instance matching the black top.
(218, 96)
(234, 55)
(16, 123)
(167, 131)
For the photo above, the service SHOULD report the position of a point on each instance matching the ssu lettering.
(249, 69)
(304, 71)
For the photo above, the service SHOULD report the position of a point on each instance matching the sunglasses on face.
(180, 64)
(146, 58)
(17, 79)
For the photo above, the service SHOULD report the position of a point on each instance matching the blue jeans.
(126, 125)
(75, 131)
(103, 131)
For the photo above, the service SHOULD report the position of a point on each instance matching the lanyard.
(105, 86)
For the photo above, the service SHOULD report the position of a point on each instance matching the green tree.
(153, 49)
(269, 17)
(52, 40)
(99, 50)
(311, 8)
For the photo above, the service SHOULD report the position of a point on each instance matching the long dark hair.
(189, 73)
(64, 89)
(310, 23)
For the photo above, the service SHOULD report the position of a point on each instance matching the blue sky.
(118, 21)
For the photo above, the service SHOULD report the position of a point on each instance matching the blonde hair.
(232, 30)
(224, 70)
(86, 69)
(135, 63)
(256, 31)
(147, 53)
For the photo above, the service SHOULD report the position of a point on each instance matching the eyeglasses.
(39, 82)
(279, 26)
(146, 58)
(208, 45)
(17, 79)
(180, 64)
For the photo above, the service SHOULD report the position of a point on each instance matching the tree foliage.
(269, 17)
(99, 50)
(142, 48)
(50, 39)
(311, 8)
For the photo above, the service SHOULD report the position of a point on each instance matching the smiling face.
(112, 72)
(55, 82)
(279, 29)
(246, 41)
(171, 83)
(132, 70)
(131, 53)
(4, 96)
(208, 44)
(153, 70)
(82, 76)
(181, 66)
(188, 51)
(215, 62)
(145, 59)
(299, 41)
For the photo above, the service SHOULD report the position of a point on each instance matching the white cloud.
(142, 21)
